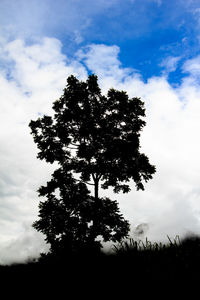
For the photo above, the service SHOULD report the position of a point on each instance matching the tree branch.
(99, 177)
(84, 182)
(94, 178)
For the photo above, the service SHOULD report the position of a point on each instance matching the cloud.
(28, 19)
(170, 64)
(78, 37)
(34, 78)
(170, 203)
(26, 246)
(39, 65)
(192, 66)
(103, 60)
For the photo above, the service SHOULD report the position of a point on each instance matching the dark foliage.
(67, 220)
(97, 138)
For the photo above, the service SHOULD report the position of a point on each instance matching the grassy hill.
(134, 264)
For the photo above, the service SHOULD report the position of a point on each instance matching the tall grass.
(132, 261)
(131, 245)
(177, 259)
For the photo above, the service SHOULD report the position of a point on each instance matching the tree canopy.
(95, 140)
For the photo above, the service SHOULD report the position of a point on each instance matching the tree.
(95, 140)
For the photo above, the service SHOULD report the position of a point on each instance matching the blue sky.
(149, 48)
(147, 31)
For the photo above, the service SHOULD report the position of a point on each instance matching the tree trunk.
(97, 208)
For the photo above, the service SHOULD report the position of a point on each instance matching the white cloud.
(78, 37)
(170, 139)
(103, 60)
(170, 64)
(40, 65)
(26, 246)
(34, 18)
(169, 205)
(192, 66)
(37, 77)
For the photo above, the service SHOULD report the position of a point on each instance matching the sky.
(149, 48)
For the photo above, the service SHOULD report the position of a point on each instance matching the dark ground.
(130, 271)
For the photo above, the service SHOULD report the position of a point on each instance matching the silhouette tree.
(95, 140)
